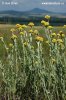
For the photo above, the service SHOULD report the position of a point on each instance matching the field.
(32, 62)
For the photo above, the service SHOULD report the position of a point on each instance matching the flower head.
(54, 40)
(35, 31)
(25, 43)
(63, 35)
(61, 32)
(50, 27)
(30, 31)
(14, 36)
(18, 25)
(31, 24)
(59, 40)
(12, 30)
(58, 35)
(24, 26)
(45, 23)
(53, 34)
(47, 17)
(39, 38)
(21, 33)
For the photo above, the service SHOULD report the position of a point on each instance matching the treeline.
(26, 20)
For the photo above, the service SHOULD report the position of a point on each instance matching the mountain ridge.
(35, 11)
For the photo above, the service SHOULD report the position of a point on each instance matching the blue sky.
(23, 5)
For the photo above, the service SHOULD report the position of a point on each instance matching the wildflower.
(47, 17)
(42, 22)
(12, 30)
(21, 33)
(53, 34)
(63, 35)
(31, 24)
(50, 27)
(30, 31)
(25, 43)
(59, 40)
(54, 40)
(58, 35)
(39, 38)
(24, 26)
(20, 28)
(14, 36)
(45, 23)
(35, 31)
(18, 25)
(10, 45)
(60, 32)
(61, 45)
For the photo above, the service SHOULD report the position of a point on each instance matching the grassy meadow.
(33, 61)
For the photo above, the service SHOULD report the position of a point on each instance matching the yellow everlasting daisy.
(47, 17)
(54, 40)
(39, 38)
(14, 36)
(31, 24)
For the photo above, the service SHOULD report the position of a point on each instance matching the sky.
(26, 5)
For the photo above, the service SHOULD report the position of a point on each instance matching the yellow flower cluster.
(12, 30)
(45, 23)
(59, 40)
(30, 31)
(39, 38)
(18, 25)
(21, 33)
(24, 26)
(31, 24)
(53, 34)
(47, 17)
(63, 35)
(54, 40)
(14, 36)
(50, 27)
(35, 31)
(25, 43)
